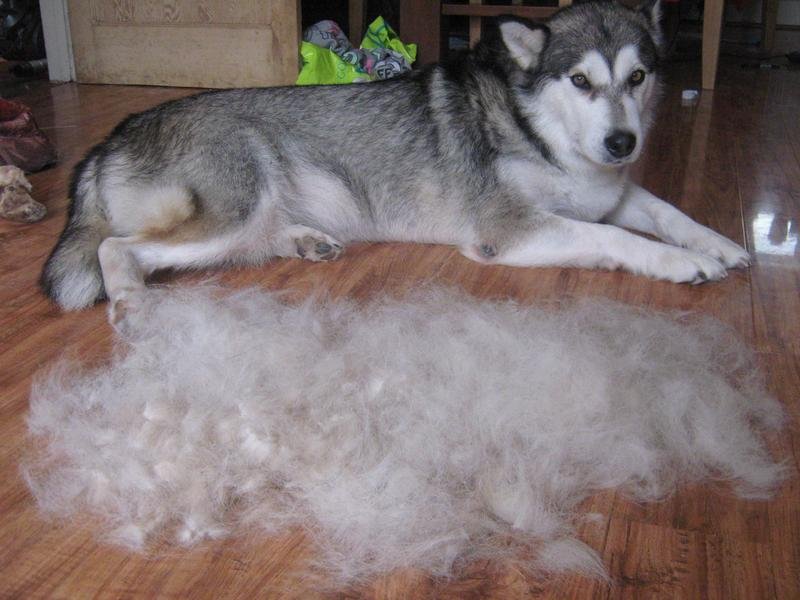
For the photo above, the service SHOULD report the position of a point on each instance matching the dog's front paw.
(717, 246)
(686, 266)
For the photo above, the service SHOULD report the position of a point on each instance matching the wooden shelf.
(480, 10)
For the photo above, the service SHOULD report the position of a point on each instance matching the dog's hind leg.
(127, 261)
(553, 241)
(123, 277)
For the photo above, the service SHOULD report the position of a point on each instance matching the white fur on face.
(637, 103)
(594, 67)
(626, 62)
(578, 121)
(399, 433)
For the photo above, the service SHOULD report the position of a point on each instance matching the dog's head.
(587, 78)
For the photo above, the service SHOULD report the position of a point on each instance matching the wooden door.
(193, 43)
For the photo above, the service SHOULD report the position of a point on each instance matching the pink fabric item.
(22, 143)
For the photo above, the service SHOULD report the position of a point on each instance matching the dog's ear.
(652, 10)
(523, 39)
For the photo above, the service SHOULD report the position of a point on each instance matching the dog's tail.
(71, 275)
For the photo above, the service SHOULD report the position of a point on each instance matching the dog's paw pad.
(120, 316)
(318, 249)
(488, 251)
(125, 311)
(481, 253)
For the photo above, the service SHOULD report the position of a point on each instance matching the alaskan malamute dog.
(514, 151)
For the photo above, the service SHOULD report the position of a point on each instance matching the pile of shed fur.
(420, 432)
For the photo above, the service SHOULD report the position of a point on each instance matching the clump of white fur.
(419, 432)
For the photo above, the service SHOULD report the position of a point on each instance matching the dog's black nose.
(620, 143)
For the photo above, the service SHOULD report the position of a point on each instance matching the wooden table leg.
(355, 18)
(474, 26)
(769, 19)
(712, 30)
(420, 23)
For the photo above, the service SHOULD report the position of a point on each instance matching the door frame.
(57, 40)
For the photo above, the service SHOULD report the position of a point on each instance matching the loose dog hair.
(418, 432)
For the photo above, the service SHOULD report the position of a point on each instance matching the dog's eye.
(636, 77)
(579, 81)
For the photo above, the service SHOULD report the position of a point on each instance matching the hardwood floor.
(731, 162)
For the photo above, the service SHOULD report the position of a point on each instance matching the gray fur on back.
(433, 133)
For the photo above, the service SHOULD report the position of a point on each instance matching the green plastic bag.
(323, 66)
(380, 35)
